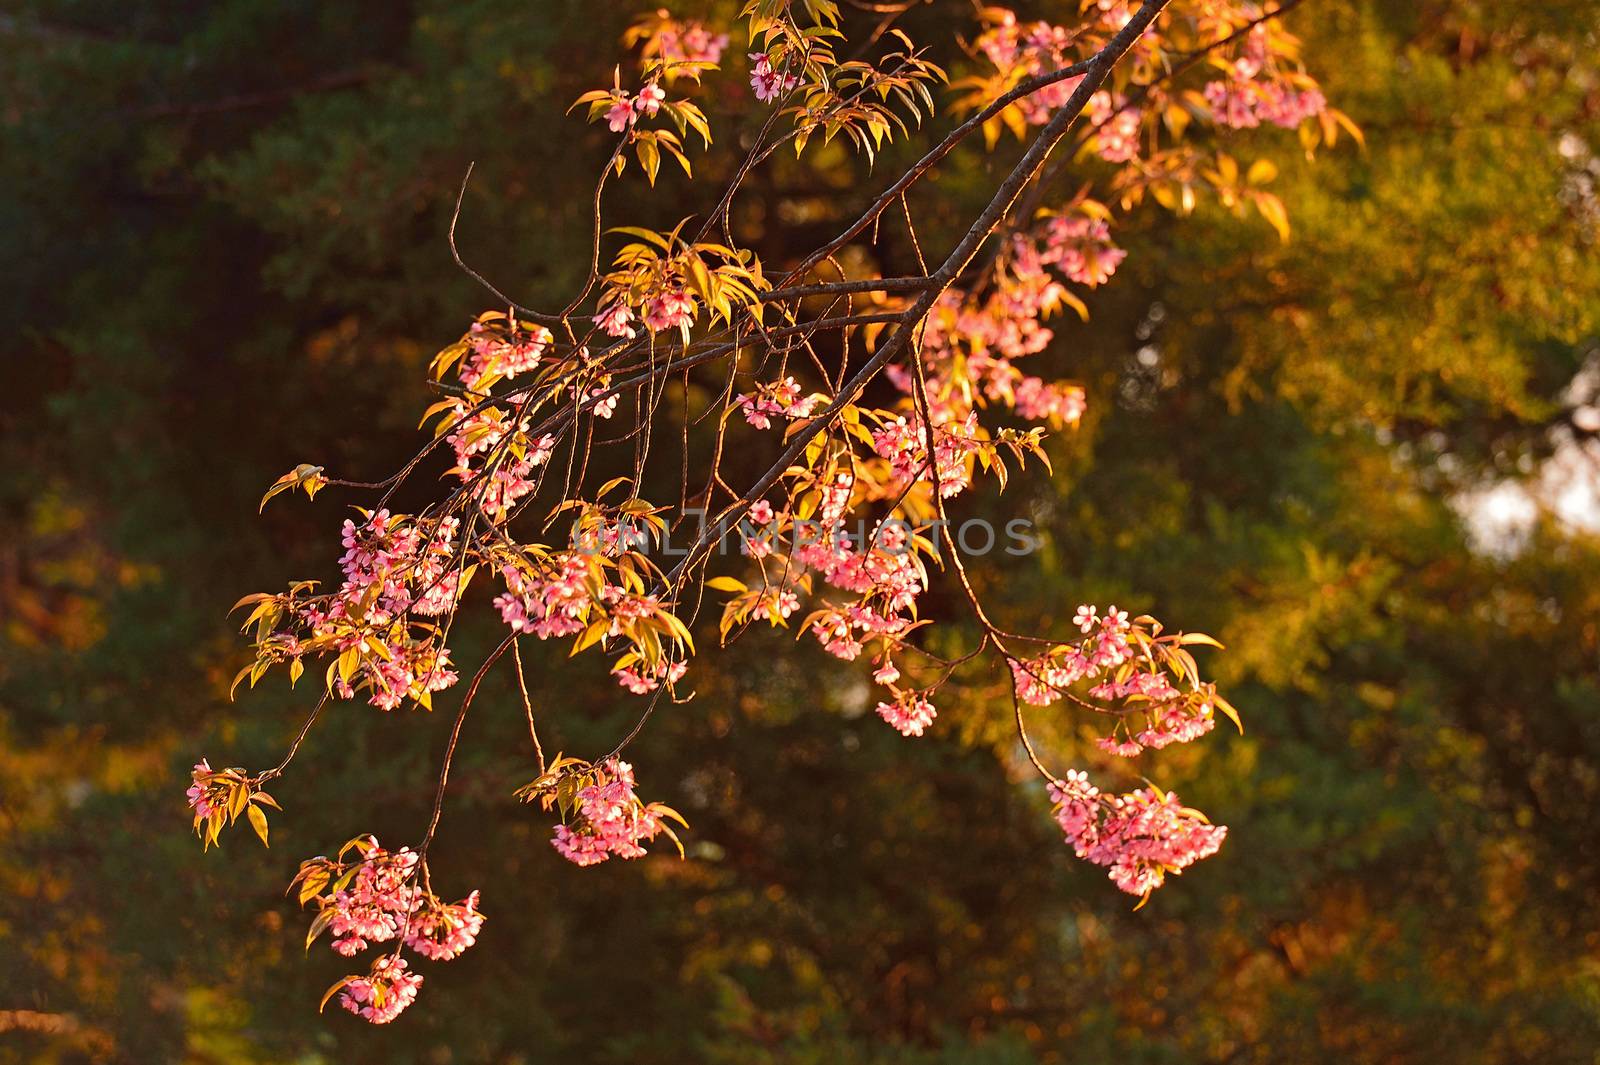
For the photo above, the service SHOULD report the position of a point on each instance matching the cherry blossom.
(622, 114)
(609, 819)
(203, 795)
(648, 100)
(768, 83)
(1081, 248)
(441, 931)
(1117, 139)
(615, 319)
(909, 715)
(1019, 51)
(671, 309)
(384, 993)
(691, 41)
(1140, 837)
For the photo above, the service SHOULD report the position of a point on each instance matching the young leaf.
(258, 821)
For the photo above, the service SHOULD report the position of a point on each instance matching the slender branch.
(305, 730)
(455, 739)
(527, 703)
(455, 253)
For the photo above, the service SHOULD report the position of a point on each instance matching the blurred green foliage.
(223, 226)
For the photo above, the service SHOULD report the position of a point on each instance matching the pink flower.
(377, 903)
(767, 82)
(199, 798)
(1085, 618)
(641, 680)
(578, 848)
(384, 993)
(1027, 50)
(442, 931)
(649, 99)
(692, 42)
(910, 714)
(757, 411)
(601, 408)
(621, 115)
(761, 512)
(1139, 837)
(1081, 249)
(672, 309)
(1111, 745)
(610, 820)
(614, 319)
(904, 443)
(1118, 126)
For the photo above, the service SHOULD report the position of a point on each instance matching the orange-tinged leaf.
(258, 821)
(1233, 715)
(335, 989)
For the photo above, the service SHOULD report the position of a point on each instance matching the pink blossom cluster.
(384, 993)
(843, 631)
(1252, 94)
(597, 401)
(1006, 325)
(1244, 103)
(1173, 716)
(1042, 681)
(776, 399)
(883, 568)
(1020, 51)
(1140, 837)
(380, 900)
(670, 307)
(206, 795)
(1039, 400)
(376, 905)
(616, 319)
(511, 477)
(641, 679)
(1109, 654)
(1114, 14)
(571, 590)
(1179, 722)
(691, 41)
(626, 110)
(412, 668)
(609, 821)
(416, 571)
(777, 602)
(884, 574)
(903, 442)
(492, 351)
(1081, 249)
(909, 714)
(1116, 126)
(769, 83)
(441, 931)
(554, 604)
(392, 566)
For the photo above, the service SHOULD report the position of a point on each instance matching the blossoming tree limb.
(876, 400)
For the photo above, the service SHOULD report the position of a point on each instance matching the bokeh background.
(1361, 459)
